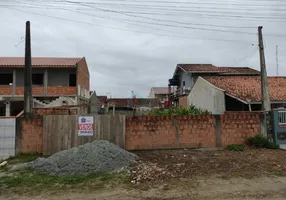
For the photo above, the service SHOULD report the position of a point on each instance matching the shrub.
(260, 141)
(192, 110)
(235, 147)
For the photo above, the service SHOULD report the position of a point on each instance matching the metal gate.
(7, 137)
(279, 126)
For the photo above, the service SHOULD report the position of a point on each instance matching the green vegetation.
(235, 147)
(192, 110)
(260, 141)
(23, 158)
(33, 181)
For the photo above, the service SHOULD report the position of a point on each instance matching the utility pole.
(277, 63)
(264, 83)
(28, 99)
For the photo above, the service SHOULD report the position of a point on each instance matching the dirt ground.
(191, 174)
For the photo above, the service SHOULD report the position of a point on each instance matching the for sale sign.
(85, 126)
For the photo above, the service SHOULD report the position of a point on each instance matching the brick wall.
(237, 127)
(51, 90)
(83, 74)
(190, 131)
(6, 90)
(31, 135)
(61, 90)
(183, 102)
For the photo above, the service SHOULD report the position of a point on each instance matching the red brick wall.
(6, 90)
(83, 74)
(193, 131)
(183, 102)
(237, 127)
(61, 90)
(52, 90)
(36, 90)
(31, 132)
(162, 132)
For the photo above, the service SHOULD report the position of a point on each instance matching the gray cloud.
(121, 61)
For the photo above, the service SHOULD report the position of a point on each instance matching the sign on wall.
(85, 126)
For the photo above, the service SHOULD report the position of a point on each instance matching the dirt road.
(201, 189)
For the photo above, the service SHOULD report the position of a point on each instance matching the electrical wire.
(129, 30)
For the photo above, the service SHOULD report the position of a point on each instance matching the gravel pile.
(98, 156)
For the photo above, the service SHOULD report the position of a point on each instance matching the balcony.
(179, 92)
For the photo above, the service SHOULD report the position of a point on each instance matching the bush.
(260, 141)
(235, 147)
(192, 110)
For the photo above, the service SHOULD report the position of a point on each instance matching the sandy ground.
(201, 189)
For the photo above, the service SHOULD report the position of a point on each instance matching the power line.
(129, 30)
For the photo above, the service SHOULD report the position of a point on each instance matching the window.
(72, 80)
(38, 79)
(184, 83)
(6, 79)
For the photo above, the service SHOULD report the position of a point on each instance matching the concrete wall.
(206, 96)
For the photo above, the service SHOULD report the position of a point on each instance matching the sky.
(133, 45)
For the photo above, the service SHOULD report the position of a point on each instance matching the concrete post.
(46, 82)
(8, 112)
(14, 82)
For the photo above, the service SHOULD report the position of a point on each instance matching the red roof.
(214, 69)
(248, 88)
(39, 62)
(198, 67)
(161, 90)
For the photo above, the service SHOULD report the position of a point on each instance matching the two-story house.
(185, 76)
(55, 82)
(160, 93)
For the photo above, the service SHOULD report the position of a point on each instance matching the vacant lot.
(167, 174)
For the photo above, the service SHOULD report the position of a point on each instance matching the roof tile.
(248, 88)
(39, 62)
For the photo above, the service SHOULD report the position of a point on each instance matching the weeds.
(38, 181)
(235, 147)
(260, 141)
(192, 110)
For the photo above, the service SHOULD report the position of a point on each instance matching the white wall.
(151, 94)
(187, 78)
(206, 96)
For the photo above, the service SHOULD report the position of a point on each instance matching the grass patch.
(33, 181)
(235, 147)
(23, 158)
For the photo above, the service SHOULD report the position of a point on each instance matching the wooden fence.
(60, 132)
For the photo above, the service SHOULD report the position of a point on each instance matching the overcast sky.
(133, 45)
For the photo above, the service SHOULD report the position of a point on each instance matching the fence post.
(217, 130)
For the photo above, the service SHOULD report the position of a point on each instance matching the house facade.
(218, 94)
(55, 82)
(186, 75)
(160, 93)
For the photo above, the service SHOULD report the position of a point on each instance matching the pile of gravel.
(98, 156)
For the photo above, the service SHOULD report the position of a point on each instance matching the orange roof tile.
(248, 88)
(215, 69)
(8, 62)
